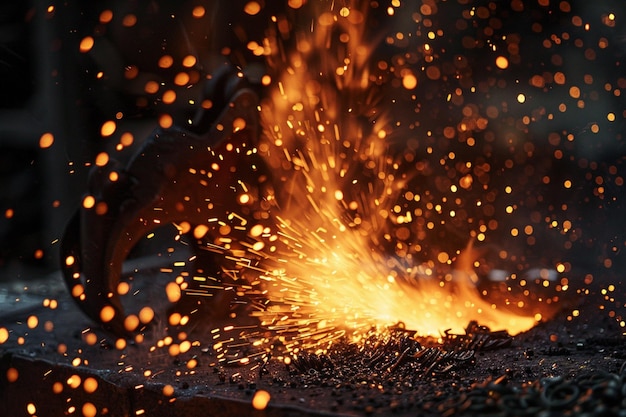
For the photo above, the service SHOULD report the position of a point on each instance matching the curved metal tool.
(177, 176)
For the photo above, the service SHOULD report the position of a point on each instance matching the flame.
(323, 263)
(333, 249)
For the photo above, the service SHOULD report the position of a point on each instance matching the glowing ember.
(260, 400)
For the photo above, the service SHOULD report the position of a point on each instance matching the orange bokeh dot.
(189, 61)
(108, 128)
(502, 62)
(12, 374)
(146, 315)
(166, 121)
(409, 81)
(166, 61)
(260, 400)
(106, 16)
(86, 44)
(107, 313)
(169, 96)
(102, 159)
(198, 11)
(4, 335)
(46, 140)
(151, 87)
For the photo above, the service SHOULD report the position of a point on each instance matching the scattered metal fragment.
(386, 358)
(477, 338)
(592, 394)
(556, 351)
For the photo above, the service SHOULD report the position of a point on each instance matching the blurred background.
(57, 89)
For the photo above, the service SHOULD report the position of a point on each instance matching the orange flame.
(323, 264)
(322, 267)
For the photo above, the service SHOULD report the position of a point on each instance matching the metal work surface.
(564, 367)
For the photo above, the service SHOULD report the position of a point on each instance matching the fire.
(338, 255)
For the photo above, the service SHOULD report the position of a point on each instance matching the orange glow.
(296, 4)
(199, 231)
(120, 344)
(57, 387)
(73, 381)
(107, 313)
(102, 159)
(46, 140)
(4, 335)
(166, 121)
(127, 139)
(89, 410)
(502, 62)
(466, 181)
(86, 44)
(169, 96)
(129, 20)
(189, 61)
(151, 87)
(89, 201)
(90, 338)
(252, 8)
(174, 319)
(166, 61)
(198, 12)
(123, 288)
(12, 374)
(32, 322)
(108, 128)
(146, 315)
(131, 72)
(90, 385)
(77, 291)
(106, 16)
(174, 350)
(185, 346)
(101, 208)
(260, 400)
(173, 292)
(168, 390)
(239, 124)
(181, 79)
(131, 323)
(409, 81)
